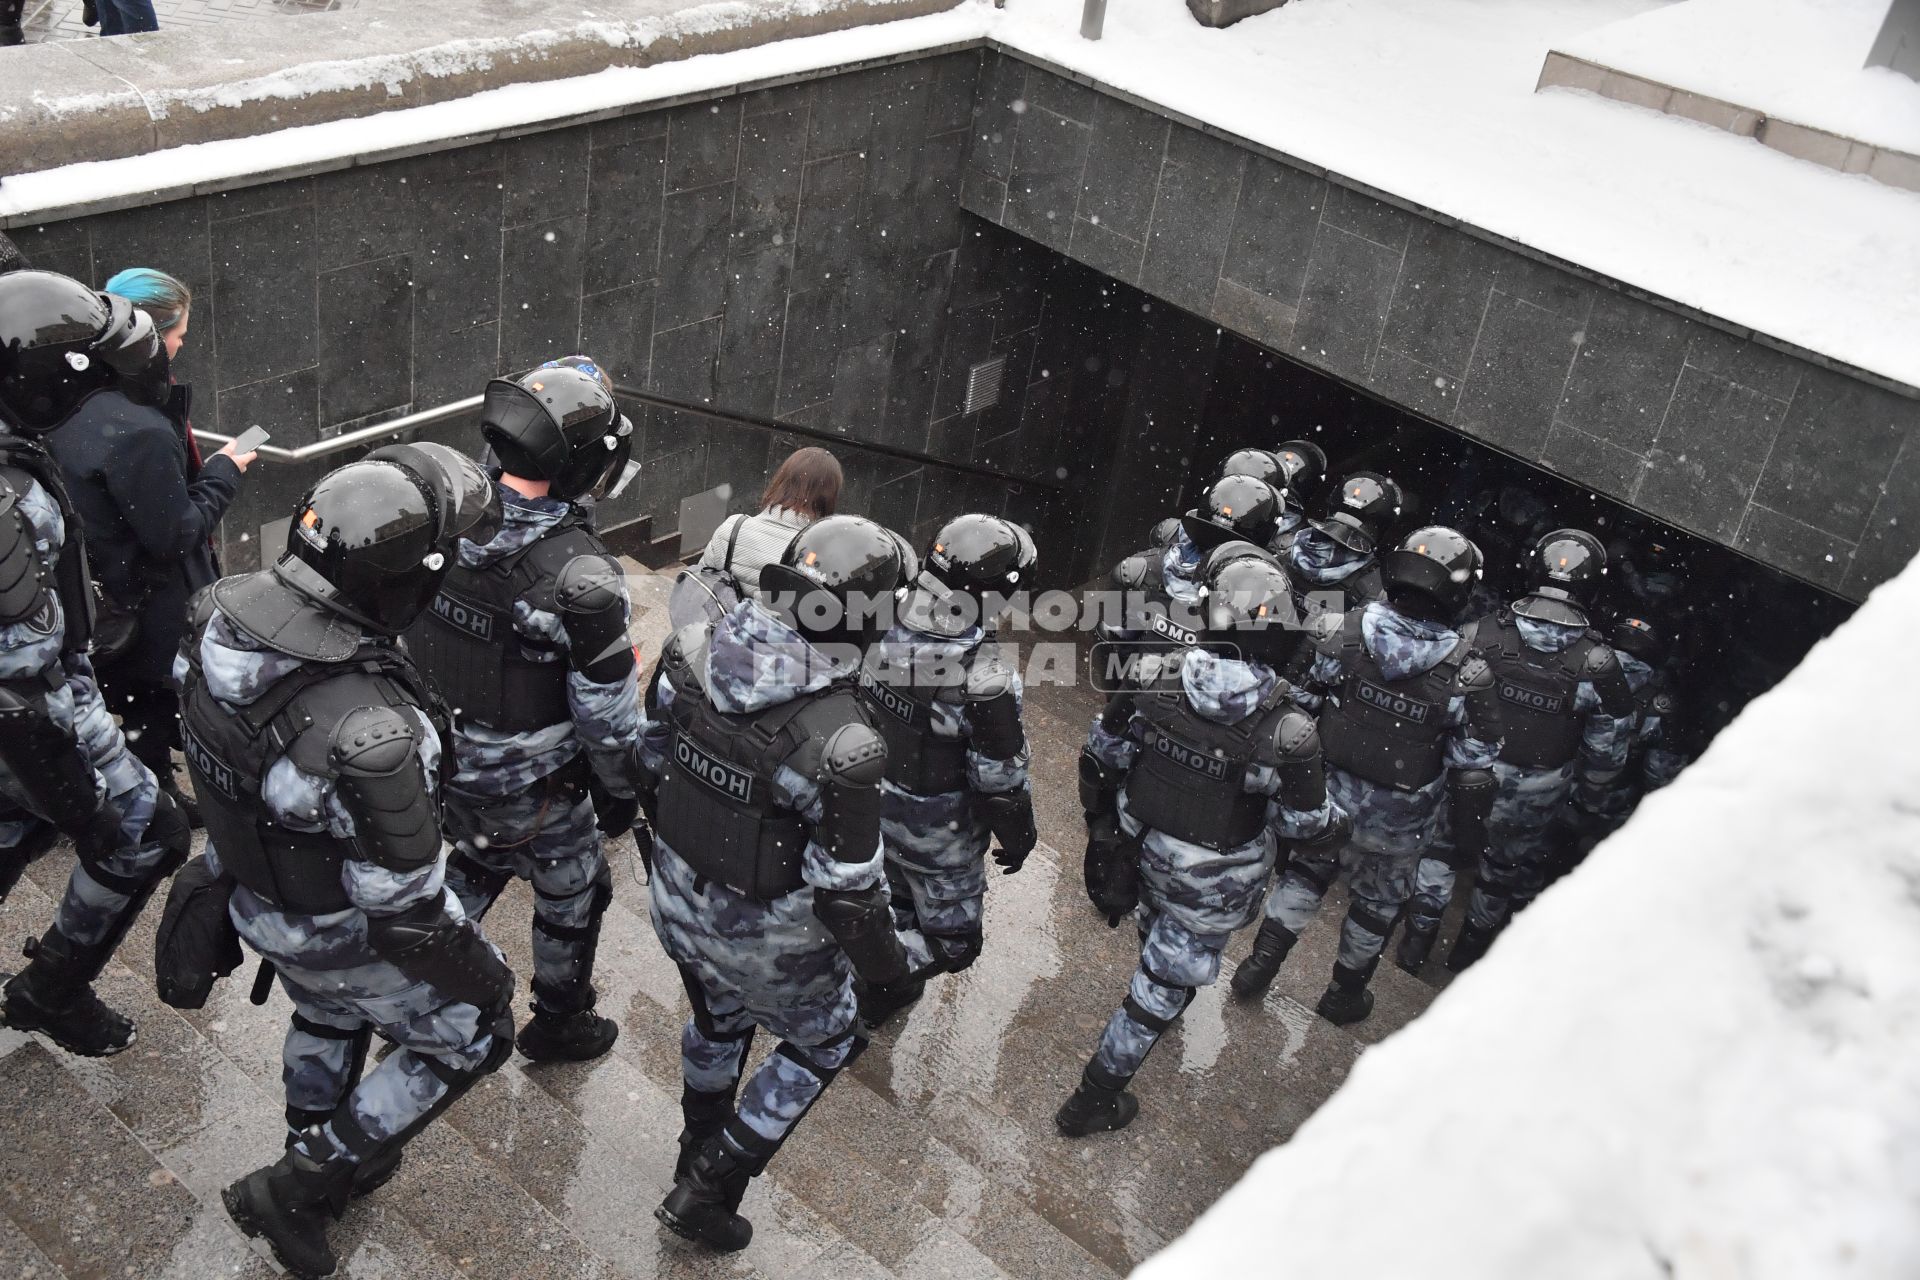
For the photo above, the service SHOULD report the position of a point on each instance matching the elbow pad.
(853, 763)
(1483, 701)
(1009, 815)
(593, 612)
(1470, 793)
(1609, 681)
(428, 945)
(861, 921)
(45, 759)
(23, 585)
(1303, 774)
(993, 712)
(1099, 784)
(378, 777)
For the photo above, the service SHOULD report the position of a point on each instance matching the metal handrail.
(458, 408)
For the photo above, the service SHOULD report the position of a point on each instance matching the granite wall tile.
(755, 314)
(1625, 373)
(1707, 458)
(860, 376)
(1107, 251)
(1833, 489)
(956, 85)
(540, 291)
(545, 175)
(703, 144)
(1405, 380)
(1591, 461)
(452, 364)
(1123, 167)
(366, 212)
(264, 287)
(1366, 217)
(695, 233)
(1254, 315)
(811, 344)
(1273, 229)
(832, 196)
(916, 354)
(1519, 367)
(1769, 372)
(616, 329)
(684, 360)
(1892, 536)
(1798, 548)
(366, 339)
(172, 237)
(269, 197)
(1440, 299)
(766, 200)
(842, 115)
(288, 406)
(456, 261)
(1546, 287)
(932, 199)
(624, 208)
(1003, 88)
(1199, 189)
(1048, 158)
(1344, 302)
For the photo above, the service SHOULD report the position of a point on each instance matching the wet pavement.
(933, 1157)
(61, 19)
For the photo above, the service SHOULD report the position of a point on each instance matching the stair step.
(20, 1257)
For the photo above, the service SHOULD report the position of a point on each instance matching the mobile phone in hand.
(250, 439)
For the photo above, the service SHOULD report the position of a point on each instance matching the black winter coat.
(148, 517)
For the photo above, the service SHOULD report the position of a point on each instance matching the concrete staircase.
(934, 1156)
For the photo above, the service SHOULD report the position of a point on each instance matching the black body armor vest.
(466, 644)
(1538, 693)
(1389, 732)
(716, 807)
(228, 752)
(22, 461)
(917, 760)
(1189, 779)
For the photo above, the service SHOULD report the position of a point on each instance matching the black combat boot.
(879, 1002)
(1346, 999)
(580, 1036)
(1416, 944)
(703, 1113)
(1100, 1105)
(1256, 973)
(705, 1201)
(371, 1174)
(1469, 947)
(54, 996)
(288, 1204)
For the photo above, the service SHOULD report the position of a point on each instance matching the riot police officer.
(1656, 751)
(769, 889)
(948, 705)
(1303, 469)
(1160, 588)
(1567, 711)
(1410, 724)
(64, 764)
(1191, 788)
(315, 751)
(1333, 558)
(527, 642)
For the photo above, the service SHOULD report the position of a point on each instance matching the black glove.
(613, 814)
(1009, 815)
(1112, 869)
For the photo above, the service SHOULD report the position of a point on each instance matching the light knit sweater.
(761, 540)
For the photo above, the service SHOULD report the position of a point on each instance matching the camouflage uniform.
(746, 962)
(1524, 826)
(1391, 828)
(1193, 898)
(518, 804)
(1654, 756)
(341, 990)
(936, 845)
(101, 898)
(1324, 566)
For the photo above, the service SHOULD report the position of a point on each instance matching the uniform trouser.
(545, 834)
(1378, 885)
(1511, 875)
(1174, 963)
(713, 1052)
(938, 913)
(105, 894)
(442, 1046)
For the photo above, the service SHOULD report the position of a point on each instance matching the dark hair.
(808, 482)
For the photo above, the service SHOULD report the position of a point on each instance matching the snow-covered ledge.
(69, 102)
(1700, 1056)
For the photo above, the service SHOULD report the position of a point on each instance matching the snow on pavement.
(1698, 1057)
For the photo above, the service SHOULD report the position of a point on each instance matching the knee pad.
(954, 952)
(1373, 917)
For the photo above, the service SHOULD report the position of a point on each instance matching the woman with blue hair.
(150, 505)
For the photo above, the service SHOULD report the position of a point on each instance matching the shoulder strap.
(733, 538)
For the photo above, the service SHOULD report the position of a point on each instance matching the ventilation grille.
(983, 384)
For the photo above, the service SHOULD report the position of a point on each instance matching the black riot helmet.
(1236, 508)
(373, 540)
(1360, 511)
(972, 560)
(1563, 570)
(1303, 469)
(60, 342)
(835, 581)
(1431, 573)
(557, 423)
(1634, 635)
(1247, 611)
(1257, 463)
